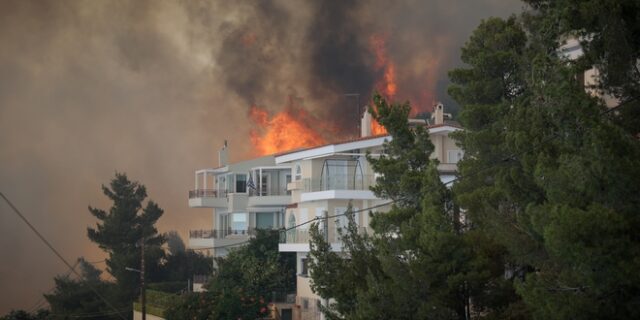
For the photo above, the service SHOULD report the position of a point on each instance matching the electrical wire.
(50, 246)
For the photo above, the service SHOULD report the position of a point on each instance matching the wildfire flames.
(295, 128)
(387, 85)
(286, 130)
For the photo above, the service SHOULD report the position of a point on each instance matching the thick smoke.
(153, 88)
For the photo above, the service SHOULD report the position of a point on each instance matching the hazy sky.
(152, 88)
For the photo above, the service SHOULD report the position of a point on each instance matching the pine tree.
(120, 230)
(421, 262)
(549, 173)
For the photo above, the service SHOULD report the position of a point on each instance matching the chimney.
(438, 113)
(223, 155)
(365, 124)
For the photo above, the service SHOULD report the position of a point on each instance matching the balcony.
(207, 198)
(297, 240)
(220, 233)
(268, 198)
(338, 186)
(220, 237)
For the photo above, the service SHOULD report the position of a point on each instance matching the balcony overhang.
(304, 247)
(208, 202)
(338, 194)
(269, 201)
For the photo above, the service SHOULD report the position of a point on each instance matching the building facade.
(291, 188)
(326, 179)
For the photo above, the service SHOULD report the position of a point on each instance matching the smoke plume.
(153, 88)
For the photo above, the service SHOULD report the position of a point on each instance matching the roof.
(352, 143)
(331, 143)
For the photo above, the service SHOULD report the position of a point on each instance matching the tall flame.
(286, 130)
(387, 85)
(377, 128)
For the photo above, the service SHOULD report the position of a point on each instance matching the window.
(239, 221)
(264, 185)
(264, 220)
(455, 155)
(287, 181)
(298, 172)
(304, 267)
(241, 183)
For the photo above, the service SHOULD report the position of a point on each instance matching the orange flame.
(377, 128)
(286, 130)
(387, 85)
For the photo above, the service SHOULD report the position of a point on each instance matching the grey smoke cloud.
(152, 88)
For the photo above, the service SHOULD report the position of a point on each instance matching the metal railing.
(280, 191)
(206, 193)
(220, 233)
(339, 182)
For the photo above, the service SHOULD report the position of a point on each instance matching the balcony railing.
(339, 182)
(220, 233)
(304, 236)
(206, 193)
(281, 191)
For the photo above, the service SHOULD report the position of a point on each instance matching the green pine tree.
(422, 262)
(120, 231)
(548, 172)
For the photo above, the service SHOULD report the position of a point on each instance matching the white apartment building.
(287, 189)
(327, 178)
(243, 196)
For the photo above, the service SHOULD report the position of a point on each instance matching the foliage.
(194, 305)
(71, 298)
(242, 284)
(122, 227)
(182, 265)
(156, 302)
(548, 173)
(175, 244)
(420, 263)
(40, 314)
(169, 286)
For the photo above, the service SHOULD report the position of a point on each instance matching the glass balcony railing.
(339, 182)
(304, 236)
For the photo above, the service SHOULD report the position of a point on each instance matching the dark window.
(303, 267)
(241, 183)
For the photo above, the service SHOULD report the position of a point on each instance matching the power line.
(50, 246)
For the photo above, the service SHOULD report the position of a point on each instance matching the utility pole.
(142, 288)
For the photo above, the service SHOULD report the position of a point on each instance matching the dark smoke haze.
(152, 88)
